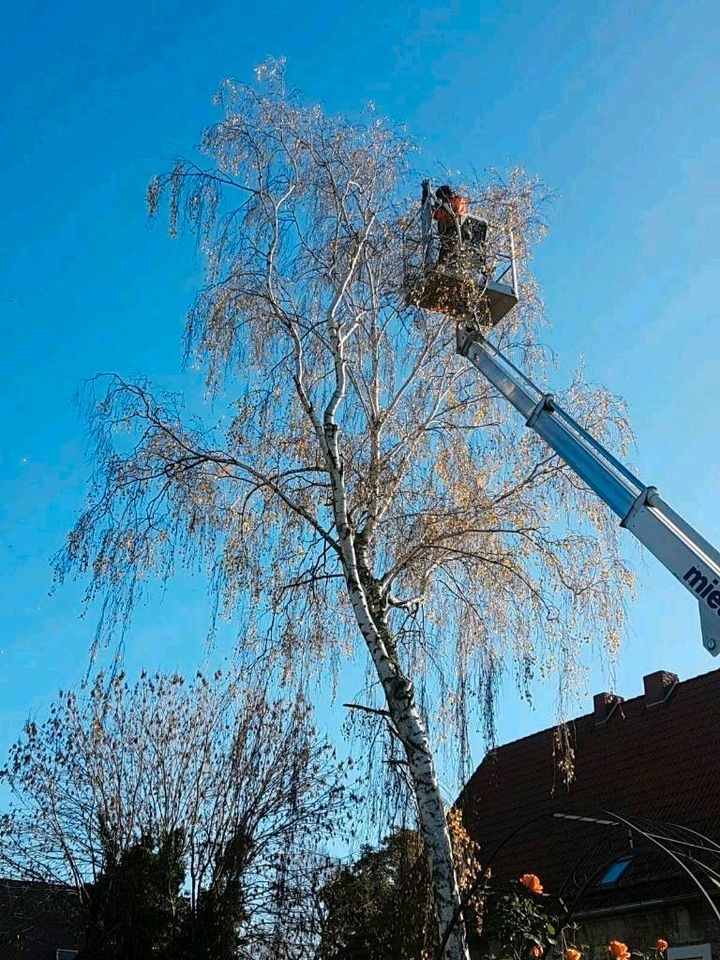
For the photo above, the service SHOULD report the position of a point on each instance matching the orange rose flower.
(536, 952)
(661, 944)
(572, 954)
(618, 950)
(532, 882)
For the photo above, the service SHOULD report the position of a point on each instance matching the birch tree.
(366, 487)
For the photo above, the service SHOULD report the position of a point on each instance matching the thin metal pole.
(512, 256)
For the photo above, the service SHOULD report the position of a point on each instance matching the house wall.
(681, 925)
(36, 919)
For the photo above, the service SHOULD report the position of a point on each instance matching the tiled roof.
(659, 762)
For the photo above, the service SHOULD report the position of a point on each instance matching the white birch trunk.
(398, 688)
(431, 811)
(409, 725)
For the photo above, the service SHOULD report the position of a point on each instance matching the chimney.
(658, 687)
(604, 705)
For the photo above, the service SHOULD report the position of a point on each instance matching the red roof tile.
(659, 762)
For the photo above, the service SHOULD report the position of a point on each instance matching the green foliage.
(212, 930)
(515, 921)
(135, 907)
(379, 906)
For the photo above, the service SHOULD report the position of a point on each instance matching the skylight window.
(614, 872)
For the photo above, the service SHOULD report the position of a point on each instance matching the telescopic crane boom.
(469, 273)
(687, 555)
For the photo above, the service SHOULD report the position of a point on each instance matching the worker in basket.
(456, 230)
(449, 214)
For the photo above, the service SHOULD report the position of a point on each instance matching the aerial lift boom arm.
(687, 555)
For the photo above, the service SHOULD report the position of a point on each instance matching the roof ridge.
(624, 701)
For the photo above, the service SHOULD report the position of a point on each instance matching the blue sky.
(616, 111)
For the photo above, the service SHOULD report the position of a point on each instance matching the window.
(66, 954)
(614, 872)
(700, 951)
